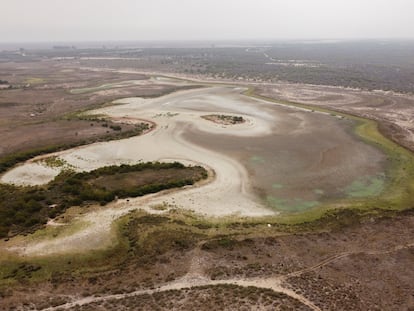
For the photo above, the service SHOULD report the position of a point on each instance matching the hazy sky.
(83, 20)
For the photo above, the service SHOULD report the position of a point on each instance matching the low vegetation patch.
(24, 209)
(145, 241)
(224, 119)
(151, 244)
(203, 298)
(11, 160)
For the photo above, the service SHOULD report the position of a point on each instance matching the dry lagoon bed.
(282, 159)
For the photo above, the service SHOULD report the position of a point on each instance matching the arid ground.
(304, 208)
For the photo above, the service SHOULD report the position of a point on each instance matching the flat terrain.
(393, 111)
(40, 109)
(304, 208)
(353, 267)
(293, 163)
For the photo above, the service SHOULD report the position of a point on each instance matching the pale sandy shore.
(227, 193)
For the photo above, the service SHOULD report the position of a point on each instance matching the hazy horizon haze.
(128, 20)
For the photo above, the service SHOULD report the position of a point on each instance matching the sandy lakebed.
(281, 159)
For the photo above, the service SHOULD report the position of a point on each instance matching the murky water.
(295, 159)
(308, 159)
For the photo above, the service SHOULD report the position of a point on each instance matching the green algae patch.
(257, 160)
(366, 186)
(391, 192)
(290, 205)
(277, 186)
(35, 80)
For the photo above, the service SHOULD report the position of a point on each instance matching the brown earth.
(145, 177)
(394, 111)
(31, 114)
(365, 266)
(356, 267)
(53, 133)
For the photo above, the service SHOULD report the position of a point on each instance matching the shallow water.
(286, 158)
(309, 158)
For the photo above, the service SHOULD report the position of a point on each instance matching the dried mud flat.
(281, 153)
(347, 269)
(393, 110)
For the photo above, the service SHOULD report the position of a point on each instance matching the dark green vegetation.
(24, 209)
(13, 159)
(225, 119)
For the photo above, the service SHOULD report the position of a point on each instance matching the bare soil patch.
(31, 113)
(225, 297)
(53, 133)
(145, 177)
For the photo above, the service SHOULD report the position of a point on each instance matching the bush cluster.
(23, 209)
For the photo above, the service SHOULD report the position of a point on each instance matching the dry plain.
(281, 160)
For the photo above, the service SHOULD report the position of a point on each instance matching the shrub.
(23, 208)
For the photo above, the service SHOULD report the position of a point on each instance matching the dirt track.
(196, 278)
